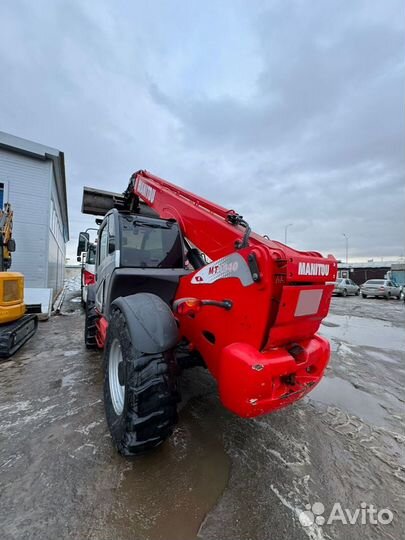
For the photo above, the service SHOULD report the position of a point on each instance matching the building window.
(2, 195)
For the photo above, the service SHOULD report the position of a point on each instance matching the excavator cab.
(12, 305)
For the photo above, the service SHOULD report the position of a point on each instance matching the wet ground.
(218, 477)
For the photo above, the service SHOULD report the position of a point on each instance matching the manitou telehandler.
(181, 282)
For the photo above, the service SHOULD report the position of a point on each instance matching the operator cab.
(137, 254)
(150, 243)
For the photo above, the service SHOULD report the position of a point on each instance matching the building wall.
(56, 253)
(27, 183)
(360, 275)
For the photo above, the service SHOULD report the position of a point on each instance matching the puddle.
(340, 393)
(364, 332)
(168, 493)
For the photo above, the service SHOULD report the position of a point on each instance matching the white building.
(32, 180)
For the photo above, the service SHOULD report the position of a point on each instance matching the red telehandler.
(182, 282)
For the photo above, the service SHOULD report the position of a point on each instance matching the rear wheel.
(388, 296)
(140, 395)
(90, 329)
(363, 295)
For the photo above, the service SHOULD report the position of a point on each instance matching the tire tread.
(152, 401)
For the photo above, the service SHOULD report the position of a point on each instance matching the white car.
(344, 287)
(380, 288)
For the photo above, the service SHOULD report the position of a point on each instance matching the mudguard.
(150, 321)
(91, 293)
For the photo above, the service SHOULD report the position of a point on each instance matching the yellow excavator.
(18, 322)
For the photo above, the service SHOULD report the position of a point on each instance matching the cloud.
(287, 112)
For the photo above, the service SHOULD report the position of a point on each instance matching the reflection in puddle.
(342, 394)
(364, 332)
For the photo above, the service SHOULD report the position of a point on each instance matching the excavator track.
(13, 335)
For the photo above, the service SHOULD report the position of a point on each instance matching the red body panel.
(264, 351)
(101, 335)
(253, 383)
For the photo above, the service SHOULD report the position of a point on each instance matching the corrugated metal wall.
(31, 190)
(56, 255)
(27, 183)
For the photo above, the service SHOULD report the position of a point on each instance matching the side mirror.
(78, 258)
(84, 238)
(111, 245)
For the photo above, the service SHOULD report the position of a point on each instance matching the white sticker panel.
(308, 302)
(233, 265)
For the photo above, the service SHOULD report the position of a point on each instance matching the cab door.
(105, 261)
(353, 287)
(349, 286)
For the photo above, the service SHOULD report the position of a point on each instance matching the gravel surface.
(219, 476)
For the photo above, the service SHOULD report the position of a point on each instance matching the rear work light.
(187, 306)
(190, 306)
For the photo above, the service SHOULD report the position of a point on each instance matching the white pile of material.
(73, 283)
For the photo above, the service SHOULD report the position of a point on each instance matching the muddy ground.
(218, 477)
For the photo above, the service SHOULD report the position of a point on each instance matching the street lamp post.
(285, 232)
(347, 246)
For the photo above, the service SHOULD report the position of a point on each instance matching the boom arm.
(214, 229)
(6, 240)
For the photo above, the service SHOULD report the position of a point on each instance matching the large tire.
(90, 329)
(142, 412)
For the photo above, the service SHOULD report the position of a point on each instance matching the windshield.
(155, 244)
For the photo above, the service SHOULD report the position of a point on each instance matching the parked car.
(344, 287)
(383, 288)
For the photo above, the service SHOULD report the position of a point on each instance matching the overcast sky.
(288, 112)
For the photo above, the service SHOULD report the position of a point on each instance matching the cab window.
(103, 247)
(154, 244)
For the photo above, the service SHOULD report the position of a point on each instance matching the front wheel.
(344, 293)
(140, 395)
(363, 295)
